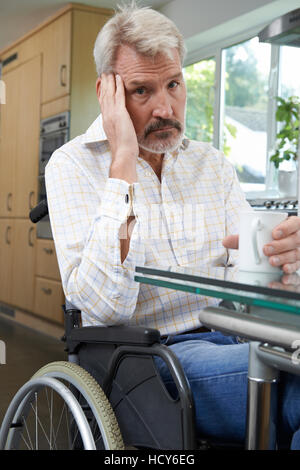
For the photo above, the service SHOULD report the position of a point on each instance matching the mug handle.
(255, 227)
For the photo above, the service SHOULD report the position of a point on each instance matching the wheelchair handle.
(39, 211)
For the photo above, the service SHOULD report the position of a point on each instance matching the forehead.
(132, 65)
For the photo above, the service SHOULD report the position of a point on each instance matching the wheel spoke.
(38, 421)
(25, 424)
(59, 424)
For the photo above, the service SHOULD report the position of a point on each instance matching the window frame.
(216, 51)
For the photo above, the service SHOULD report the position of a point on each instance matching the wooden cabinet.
(17, 268)
(49, 299)
(6, 257)
(28, 131)
(8, 143)
(49, 296)
(48, 71)
(56, 47)
(23, 266)
(19, 146)
(46, 261)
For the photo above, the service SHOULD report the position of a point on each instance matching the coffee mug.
(256, 231)
(259, 278)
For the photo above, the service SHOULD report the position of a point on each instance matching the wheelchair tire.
(82, 384)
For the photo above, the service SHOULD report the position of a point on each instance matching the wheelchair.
(108, 395)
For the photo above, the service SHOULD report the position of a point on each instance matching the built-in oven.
(54, 132)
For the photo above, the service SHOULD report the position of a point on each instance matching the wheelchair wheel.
(61, 407)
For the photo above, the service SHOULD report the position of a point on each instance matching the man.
(132, 161)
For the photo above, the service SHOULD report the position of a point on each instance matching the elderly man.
(133, 159)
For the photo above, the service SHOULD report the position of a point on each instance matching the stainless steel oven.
(54, 132)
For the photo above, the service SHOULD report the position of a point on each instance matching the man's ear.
(98, 87)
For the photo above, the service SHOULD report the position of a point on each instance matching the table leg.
(262, 402)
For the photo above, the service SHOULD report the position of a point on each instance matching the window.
(200, 80)
(231, 103)
(244, 121)
(289, 83)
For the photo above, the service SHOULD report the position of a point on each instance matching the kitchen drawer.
(49, 299)
(46, 261)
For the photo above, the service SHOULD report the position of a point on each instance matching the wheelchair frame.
(124, 388)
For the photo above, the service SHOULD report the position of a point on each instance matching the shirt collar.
(95, 132)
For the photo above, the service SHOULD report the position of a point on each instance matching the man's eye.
(173, 84)
(140, 91)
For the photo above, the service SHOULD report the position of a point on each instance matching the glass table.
(263, 309)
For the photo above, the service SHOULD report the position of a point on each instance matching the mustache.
(161, 124)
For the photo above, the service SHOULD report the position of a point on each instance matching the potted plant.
(285, 155)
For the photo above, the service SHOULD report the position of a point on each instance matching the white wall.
(207, 22)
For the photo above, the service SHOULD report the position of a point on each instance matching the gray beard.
(161, 145)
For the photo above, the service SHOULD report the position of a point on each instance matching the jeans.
(216, 367)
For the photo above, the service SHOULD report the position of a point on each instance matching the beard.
(168, 140)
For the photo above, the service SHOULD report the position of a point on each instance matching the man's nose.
(162, 106)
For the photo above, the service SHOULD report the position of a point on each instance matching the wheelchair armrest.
(115, 335)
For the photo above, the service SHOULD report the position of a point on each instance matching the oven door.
(43, 227)
(48, 144)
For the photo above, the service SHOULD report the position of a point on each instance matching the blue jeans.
(216, 367)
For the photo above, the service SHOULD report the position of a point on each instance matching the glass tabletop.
(277, 291)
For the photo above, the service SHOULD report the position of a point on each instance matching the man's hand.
(118, 127)
(284, 250)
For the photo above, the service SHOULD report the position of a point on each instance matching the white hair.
(147, 30)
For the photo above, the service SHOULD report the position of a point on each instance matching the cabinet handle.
(63, 68)
(48, 251)
(30, 231)
(7, 239)
(30, 200)
(47, 291)
(8, 201)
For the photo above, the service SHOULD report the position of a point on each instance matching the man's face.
(155, 97)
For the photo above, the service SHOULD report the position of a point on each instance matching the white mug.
(258, 278)
(256, 231)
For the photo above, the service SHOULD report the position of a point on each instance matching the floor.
(26, 351)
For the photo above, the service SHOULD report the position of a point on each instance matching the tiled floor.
(26, 351)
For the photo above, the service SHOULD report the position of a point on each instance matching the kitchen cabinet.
(8, 143)
(49, 296)
(49, 299)
(48, 71)
(23, 264)
(17, 267)
(19, 146)
(6, 257)
(56, 48)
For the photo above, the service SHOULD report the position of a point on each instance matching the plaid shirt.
(180, 221)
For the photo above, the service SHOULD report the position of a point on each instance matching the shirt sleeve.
(86, 223)
(235, 203)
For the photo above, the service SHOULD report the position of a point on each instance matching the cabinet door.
(19, 148)
(6, 257)
(8, 142)
(46, 260)
(56, 46)
(49, 299)
(24, 239)
(28, 130)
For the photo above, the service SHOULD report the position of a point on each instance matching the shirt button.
(126, 198)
